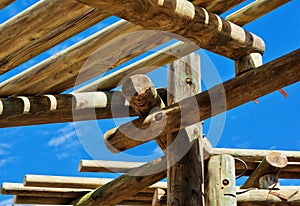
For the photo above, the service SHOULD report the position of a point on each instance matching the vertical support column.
(220, 181)
(185, 151)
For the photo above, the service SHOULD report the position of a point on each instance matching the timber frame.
(203, 175)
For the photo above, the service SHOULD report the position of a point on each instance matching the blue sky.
(57, 149)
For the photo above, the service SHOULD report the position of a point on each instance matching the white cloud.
(6, 160)
(63, 138)
(7, 202)
(3, 148)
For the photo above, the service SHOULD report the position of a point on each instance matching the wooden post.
(158, 197)
(270, 165)
(220, 181)
(248, 62)
(185, 173)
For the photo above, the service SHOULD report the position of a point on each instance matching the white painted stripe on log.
(87, 100)
(1, 107)
(26, 102)
(206, 16)
(53, 101)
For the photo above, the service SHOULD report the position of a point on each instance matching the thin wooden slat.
(233, 93)
(77, 182)
(143, 66)
(181, 17)
(59, 72)
(31, 32)
(254, 10)
(126, 185)
(5, 3)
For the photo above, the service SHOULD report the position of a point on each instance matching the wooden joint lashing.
(272, 164)
(248, 62)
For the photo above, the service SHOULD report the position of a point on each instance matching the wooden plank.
(254, 10)
(126, 185)
(143, 66)
(158, 197)
(217, 6)
(143, 98)
(77, 182)
(60, 72)
(220, 181)
(31, 33)
(185, 156)
(181, 17)
(233, 93)
(5, 3)
(270, 165)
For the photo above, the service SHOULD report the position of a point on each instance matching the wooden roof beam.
(5, 3)
(181, 17)
(233, 93)
(217, 6)
(254, 10)
(30, 32)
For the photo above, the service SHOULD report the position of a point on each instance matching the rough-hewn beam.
(5, 3)
(181, 17)
(126, 185)
(143, 66)
(270, 165)
(254, 10)
(60, 72)
(143, 98)
(233, 93)
(30, 110)
(31, 33)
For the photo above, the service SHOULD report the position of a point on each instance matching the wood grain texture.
(217, 6)
(233, 93)
(5, 3)
(248, 62)
(77, 182)
(270, 165)
(185, 159)
(90, 57)
(30, 32)
(143, 66)
(126, 185)
(220, 181)
(158, 197)
(254, 10)
(181, 17)
(143, 98)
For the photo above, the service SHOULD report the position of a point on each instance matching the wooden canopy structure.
(203, 175)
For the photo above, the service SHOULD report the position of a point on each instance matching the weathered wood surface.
(159, 197)
(5, 3)
(143, 66)
(126, 185)
(77, 182)
(31, 33)
(62, 108)
(253, 155)
(220, 181)
(185, 157)
(181, 17)
(217, 6)
(248, 62)
(254, 10)
(233, 93)
(250, 198)
(19, 189)
(270, 165)
(143, 98)
(59, 72)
